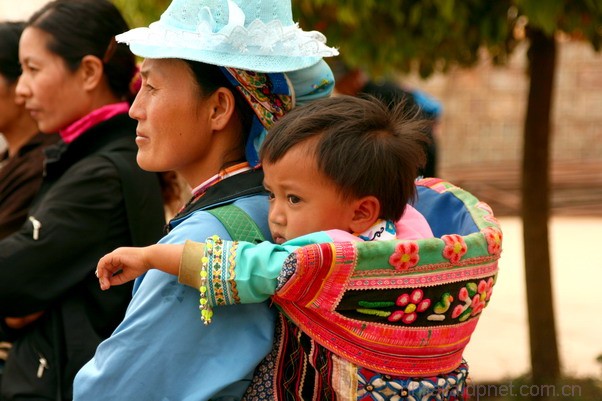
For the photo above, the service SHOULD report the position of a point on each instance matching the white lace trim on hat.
(258, 38)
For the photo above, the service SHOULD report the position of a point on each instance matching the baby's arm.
(245, 272)
(249, 272)
(126, 263)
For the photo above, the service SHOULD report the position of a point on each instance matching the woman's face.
(53, 94)
(173, 130)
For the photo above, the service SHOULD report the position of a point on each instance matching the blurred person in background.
(21, 174)
(22, 163)
(75, 81)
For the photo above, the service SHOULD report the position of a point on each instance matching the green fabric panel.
(238, 223)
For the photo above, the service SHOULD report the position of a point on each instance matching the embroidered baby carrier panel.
(423, 296)
(299, 369)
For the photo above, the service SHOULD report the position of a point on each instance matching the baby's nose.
(276, 216)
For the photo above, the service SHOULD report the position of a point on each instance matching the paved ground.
(499, 349)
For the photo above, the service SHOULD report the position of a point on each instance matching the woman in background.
(21, 174)
(75, 81)
(21, 170)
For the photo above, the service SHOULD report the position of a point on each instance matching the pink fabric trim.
(104, 113)
(437, 277)
(413, 225)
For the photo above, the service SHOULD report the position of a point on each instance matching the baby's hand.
(122, 265)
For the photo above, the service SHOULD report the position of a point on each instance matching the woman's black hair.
(88, 27)
(210, 78)
(10, 33)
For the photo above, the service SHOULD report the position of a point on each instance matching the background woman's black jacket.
(20, 180)
(94, 198)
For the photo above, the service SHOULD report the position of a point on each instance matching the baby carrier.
(382, 320)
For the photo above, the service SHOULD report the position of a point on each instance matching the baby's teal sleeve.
(242, 272)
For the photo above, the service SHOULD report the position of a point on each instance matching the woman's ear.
(91, 70)
(365, 214)
(222, 108)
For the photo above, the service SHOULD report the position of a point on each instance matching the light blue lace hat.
(256, 35)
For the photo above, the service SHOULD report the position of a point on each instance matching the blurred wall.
(484, 109)
(18, 9)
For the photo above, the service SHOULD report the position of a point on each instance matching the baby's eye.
(293, 199)
(270, 195)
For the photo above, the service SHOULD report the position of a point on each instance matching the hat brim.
(156, 42)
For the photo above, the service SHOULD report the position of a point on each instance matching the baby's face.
(302, 199)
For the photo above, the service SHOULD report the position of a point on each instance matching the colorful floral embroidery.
(463, 311)
(379, 387)
(441, 307)
(405, 256)
(455, 247)
(494, 240)
(258, 90)
(412, 303)
(481, 298)
(475, 297)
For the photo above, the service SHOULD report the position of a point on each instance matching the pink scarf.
(104, 113)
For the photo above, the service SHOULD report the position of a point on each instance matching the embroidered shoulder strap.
(238, 223)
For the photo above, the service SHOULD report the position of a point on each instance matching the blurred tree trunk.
(535, 209)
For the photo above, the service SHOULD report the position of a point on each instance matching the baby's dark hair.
(364, 147)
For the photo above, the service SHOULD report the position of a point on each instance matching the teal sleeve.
(242, 272)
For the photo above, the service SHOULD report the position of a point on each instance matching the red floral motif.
(405, 256)
(475, 297)
(459, 310)
(412, 303)
(455, 247)
(481, 299)
(494, 240)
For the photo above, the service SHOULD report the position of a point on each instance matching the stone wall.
(484, 109)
